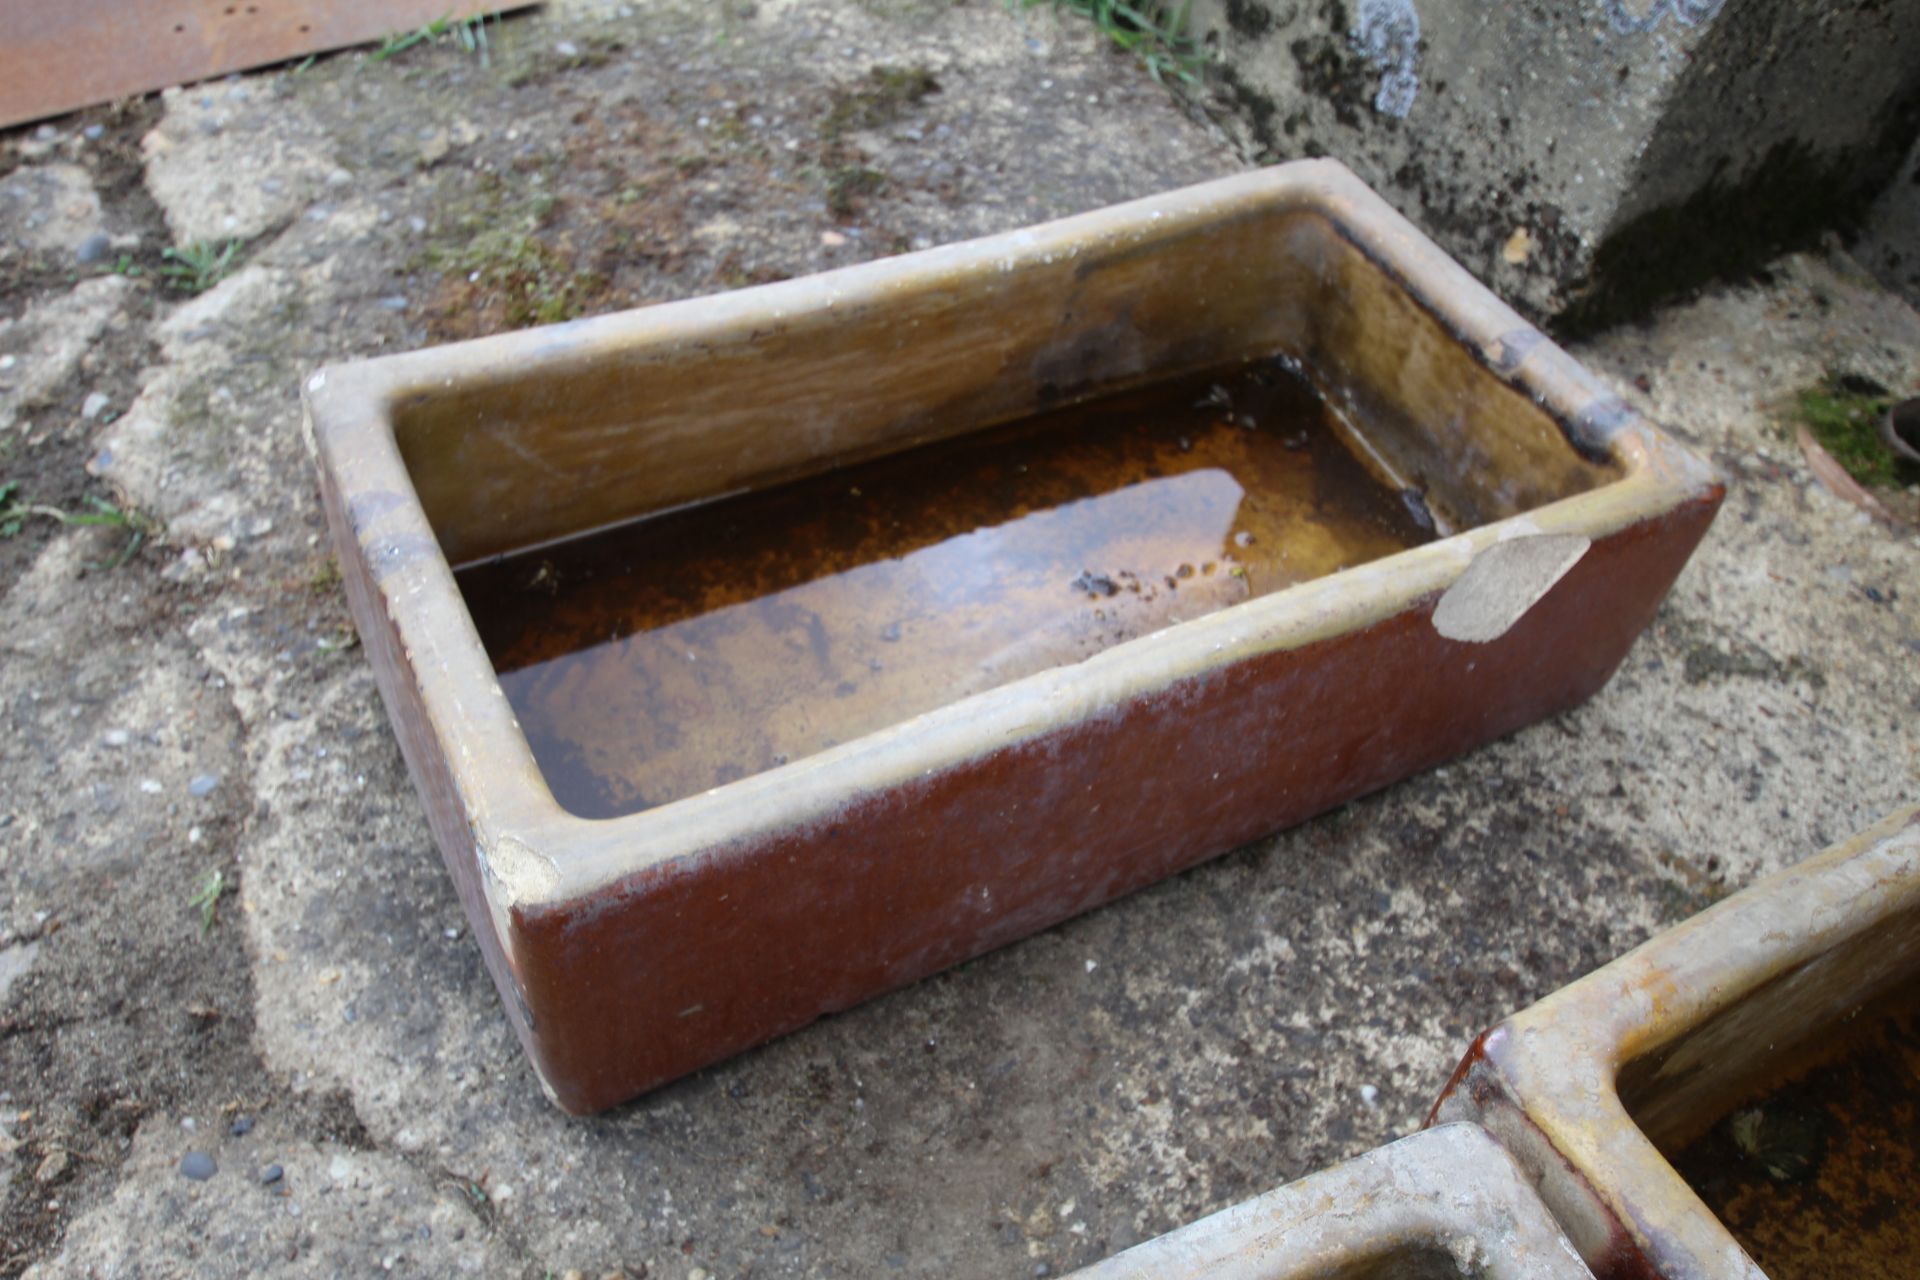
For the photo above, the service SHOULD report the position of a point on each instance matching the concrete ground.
(315, 1022)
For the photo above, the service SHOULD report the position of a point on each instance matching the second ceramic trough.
(1764, 1056)
(1442, 1204)
(874, 826)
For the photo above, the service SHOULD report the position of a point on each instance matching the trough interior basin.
(1805, 1141)
(731, 616)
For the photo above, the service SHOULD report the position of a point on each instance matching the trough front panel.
(690, 961)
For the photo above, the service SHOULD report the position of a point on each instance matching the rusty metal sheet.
(60, 55)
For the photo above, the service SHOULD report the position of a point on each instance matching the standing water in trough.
(683, 651)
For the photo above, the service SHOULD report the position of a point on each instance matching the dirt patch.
(633, 199)
(112, 159)
(43, 456)
(138, 1000)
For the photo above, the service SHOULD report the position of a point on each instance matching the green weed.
(1145, 28)
(206, 896)
(879, 100)
(532, 281)
(469, 33)
(325, 578)
(849, 186)
(14, 514)
(198, 267)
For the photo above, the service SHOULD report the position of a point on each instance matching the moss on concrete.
(1843, 412)
(878, 100)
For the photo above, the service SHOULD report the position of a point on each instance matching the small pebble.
(198, 1165)
(51, 1168)
(202, 784)
(1369, 1094)
(567, 49)
(241, 1127)
(94, 405)
(94, 132)
(271, 1174)
(94, 248)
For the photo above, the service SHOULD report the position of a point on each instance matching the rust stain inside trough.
(1818, 1176)
(682, 652)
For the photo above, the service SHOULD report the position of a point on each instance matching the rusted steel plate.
(60, 55)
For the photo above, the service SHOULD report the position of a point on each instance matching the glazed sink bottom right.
(1446, 1202)
(1739, 1097)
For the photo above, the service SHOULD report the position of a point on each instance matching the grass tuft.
(469, 33)
(206, 896)
(198, 267)
(14, 514)
(1148, 29)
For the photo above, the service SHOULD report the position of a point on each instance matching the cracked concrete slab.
(185, 451)
(233, 160)
(43, 347)
(1286, 1006)
(50, 208)
(273, 1203)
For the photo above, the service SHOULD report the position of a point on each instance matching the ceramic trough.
(725, 843)
(1759, 1063)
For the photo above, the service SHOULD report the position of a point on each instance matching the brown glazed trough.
(1445, 1202)
(1759, 1063)
(745, 785)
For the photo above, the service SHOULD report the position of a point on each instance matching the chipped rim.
(518, 826)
